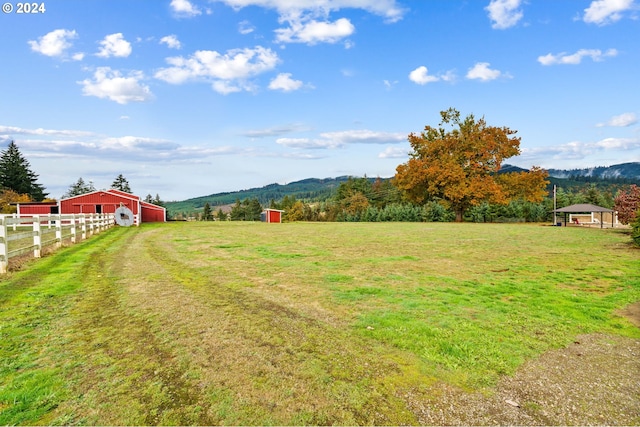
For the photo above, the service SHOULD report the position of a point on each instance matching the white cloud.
(576, 58)
(504, 13)
(577, 150)
(308, 20)
(226, 87)
(394, 153)
(388, 84)
(481, 71)
(421, 76)
(54, 43)
(245, 27)
(306, 143)
(171, 41)
(330, 140)
(57, 144)
(603, 12)
(285, 83)
(226, 71)
(184, 8)
(12, 130)
(129, 143)
(275, 131)
(114, 45)
(623, 120)
(112, 85)
(314, 32)
(389, 9)
(363, 137)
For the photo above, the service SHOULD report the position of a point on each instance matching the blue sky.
(192, 97)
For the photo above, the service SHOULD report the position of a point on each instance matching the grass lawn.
(300, 323)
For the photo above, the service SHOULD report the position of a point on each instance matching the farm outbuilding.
(98, 202)
(37, 208)
(585, 214)
(271, 215)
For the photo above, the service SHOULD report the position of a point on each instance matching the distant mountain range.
(622, 171)
(323, 189)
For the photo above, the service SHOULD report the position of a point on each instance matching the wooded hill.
(313, 189)
(306, 189)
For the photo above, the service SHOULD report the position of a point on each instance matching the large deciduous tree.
(8, 198)
(16, 174)
(627, 204)
(458, 165)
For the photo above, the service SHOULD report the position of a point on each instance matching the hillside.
(323, 189)
(623, 171)
(311, 188)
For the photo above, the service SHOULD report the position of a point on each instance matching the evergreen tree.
(237, 212)
(221, 215)
(206, 214)
(158, 201)
(79, 187)
(16, 174)
(121, 183)
(253, 209)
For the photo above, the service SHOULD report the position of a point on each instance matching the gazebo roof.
(582, 208)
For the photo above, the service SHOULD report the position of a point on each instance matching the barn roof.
(110, 192)
(582, 208)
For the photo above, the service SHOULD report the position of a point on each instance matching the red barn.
(97, 202)
(106, 202)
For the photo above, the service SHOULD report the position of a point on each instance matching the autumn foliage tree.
(8, 198)
(458, 166)
(627, 204)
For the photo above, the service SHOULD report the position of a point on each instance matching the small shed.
(586, 214)
(37, 208)
(271, 215)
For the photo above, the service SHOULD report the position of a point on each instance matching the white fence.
(20, 235)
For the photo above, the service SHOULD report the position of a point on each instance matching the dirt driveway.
(594, 381)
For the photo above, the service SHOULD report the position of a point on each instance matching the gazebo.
(586, 209)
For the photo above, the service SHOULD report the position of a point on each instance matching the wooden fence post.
(37, 241)
(58, 230)
(92, 225)
(83, 227)
(73, 228)
(4, 248)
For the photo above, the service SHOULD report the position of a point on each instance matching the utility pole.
(555, 222)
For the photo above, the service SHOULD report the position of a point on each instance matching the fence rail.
(20, 235)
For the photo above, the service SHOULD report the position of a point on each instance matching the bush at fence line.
(514, 211)
(635, 230)
(399, 212)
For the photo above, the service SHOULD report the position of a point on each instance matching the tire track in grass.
(254, 361)
(124, 375)
(33, 302)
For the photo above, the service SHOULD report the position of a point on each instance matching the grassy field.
(319, 323)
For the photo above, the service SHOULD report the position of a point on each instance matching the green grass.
(322, 323)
